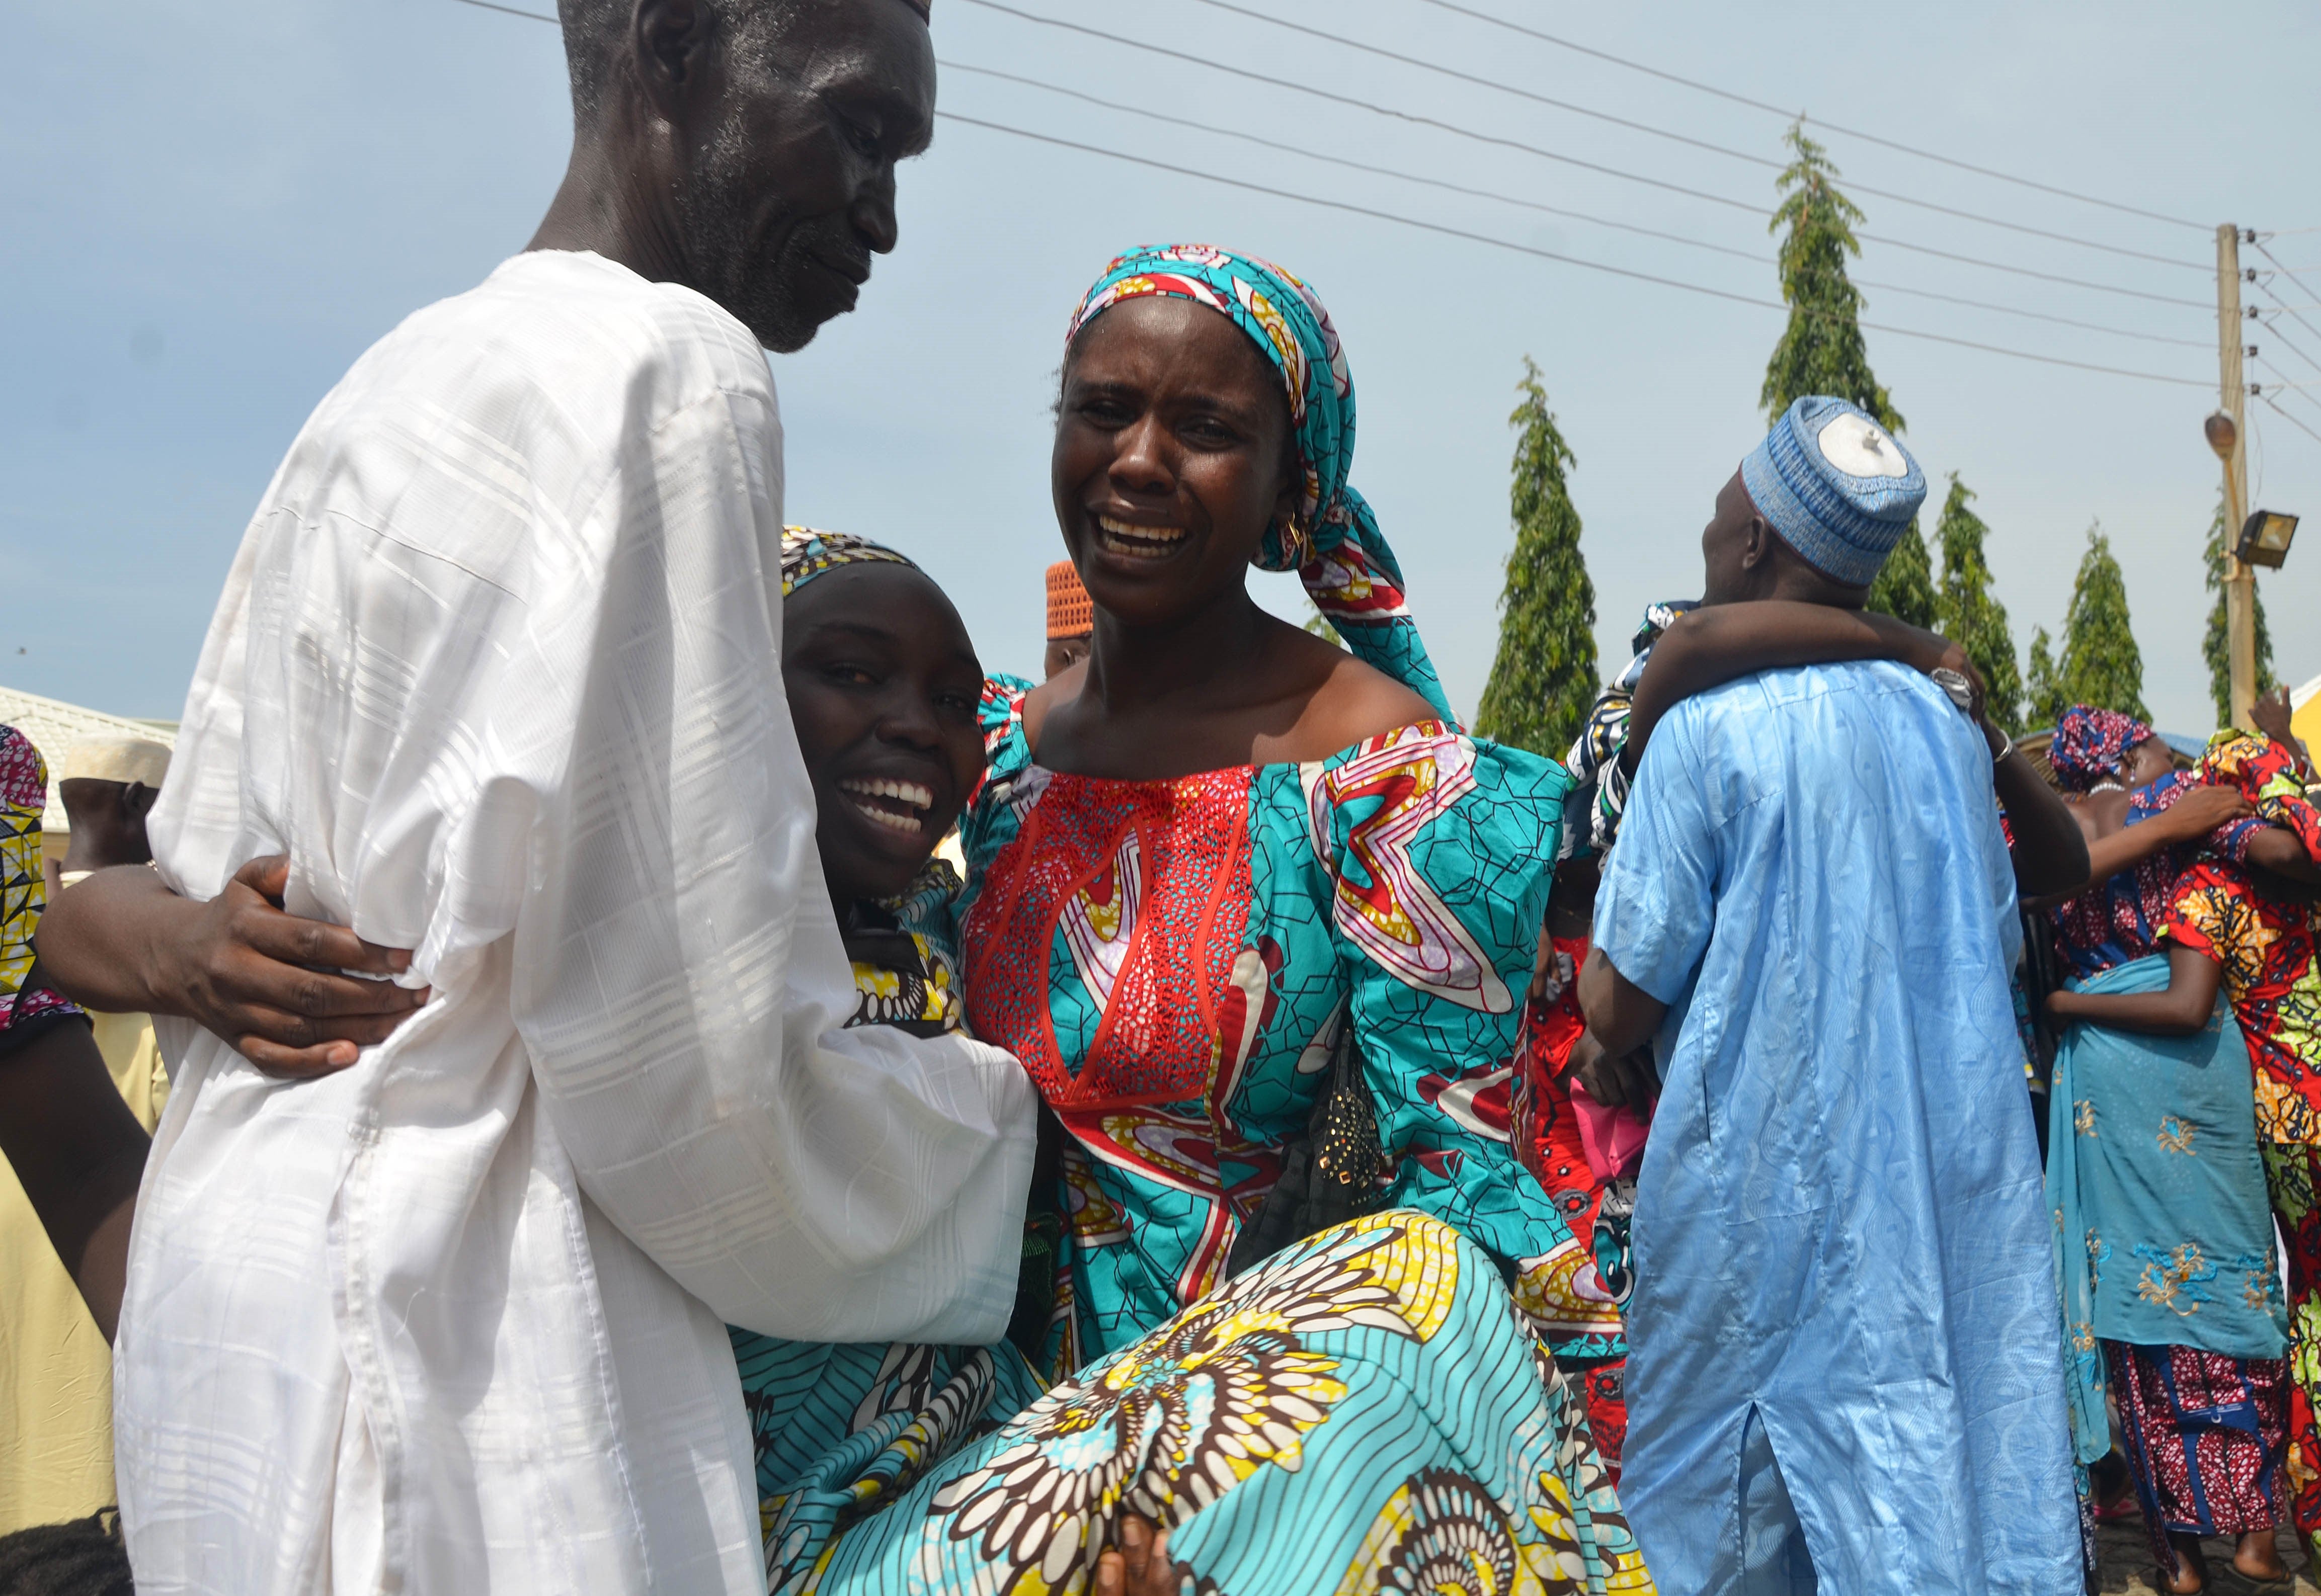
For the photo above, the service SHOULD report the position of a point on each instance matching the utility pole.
(2240, 581)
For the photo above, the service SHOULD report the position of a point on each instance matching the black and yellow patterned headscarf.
(807, 553)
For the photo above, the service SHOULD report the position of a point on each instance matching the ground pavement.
(2126, 1563)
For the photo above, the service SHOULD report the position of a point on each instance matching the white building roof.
(52, 726)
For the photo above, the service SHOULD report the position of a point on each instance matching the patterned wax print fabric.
(2205, 1437)
(1360, 1414)
(840, 1431)
(807, 553)
(1547, 1140)
(23, 891)
(2267, 948)
(1594, 757)
(2163, 1235)
(1333, 542)
(1841, 1243)
(2089, 745)
(2292, 1171)
(1171, 960)
(2119, 919)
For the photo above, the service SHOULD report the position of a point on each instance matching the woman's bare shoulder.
(1354, 702)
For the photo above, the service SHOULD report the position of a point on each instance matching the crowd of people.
(680, 1080)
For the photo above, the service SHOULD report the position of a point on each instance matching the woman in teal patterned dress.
(1194, 859)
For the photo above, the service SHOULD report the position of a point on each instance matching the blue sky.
(215, 208)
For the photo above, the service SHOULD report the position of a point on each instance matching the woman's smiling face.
(1173, 455)
(883, 686)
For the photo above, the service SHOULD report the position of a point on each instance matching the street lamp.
(2223, 428)
(2264, 539)
(2223, 433)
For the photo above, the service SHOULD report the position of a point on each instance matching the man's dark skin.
(752, 160)
(108, 822)
(1744, 560)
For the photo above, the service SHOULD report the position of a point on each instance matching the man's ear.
(137, 800)
(669, 40)
(1757, 546)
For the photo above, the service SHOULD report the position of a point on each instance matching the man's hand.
(1628, 1081)
(1621, 1015)
(1139, 1564)
(265, 979)
(266, 982)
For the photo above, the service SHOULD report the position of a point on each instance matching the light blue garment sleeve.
(1657, 903)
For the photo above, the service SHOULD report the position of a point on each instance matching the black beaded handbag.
(1333, 1173)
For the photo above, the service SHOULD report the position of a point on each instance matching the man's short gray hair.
(595, 32)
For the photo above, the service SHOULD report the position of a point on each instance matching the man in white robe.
(497, 666)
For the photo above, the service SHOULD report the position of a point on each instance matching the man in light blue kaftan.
(1844, 1370)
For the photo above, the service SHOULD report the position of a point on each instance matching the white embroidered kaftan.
(498, 666)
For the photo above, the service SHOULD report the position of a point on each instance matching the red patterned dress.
(1596, 1210)
(1171, 960)
(2269, 951)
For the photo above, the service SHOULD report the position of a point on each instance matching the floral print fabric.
(1360, 1414)
(2205, 1437)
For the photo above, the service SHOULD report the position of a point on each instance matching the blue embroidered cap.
(1836, 486)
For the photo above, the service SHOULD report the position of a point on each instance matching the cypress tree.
(2101, 665)
(2047, 700)
(1904, 586)
(1821, 349)
(2213, 646)
(1544, 676)
(1970, 617)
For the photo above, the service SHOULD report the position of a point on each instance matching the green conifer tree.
(2213, 645)
(1968, 615)
(2101, 665)
(1905, 588)
(2042, 688)
(1544, 676)
(1821, 349)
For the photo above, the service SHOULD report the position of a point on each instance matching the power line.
(1508, 244)
(2287, 384)
(1787, 114)
(1272, 82)
(1479, 237)
(2293, 347)
(1457, 75)
(1754, 257)
(2266, 401)
(2025, 271)
(2267, 290)
(1358, 166)
(511, 11)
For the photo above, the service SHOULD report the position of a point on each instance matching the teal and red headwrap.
(1334, 543)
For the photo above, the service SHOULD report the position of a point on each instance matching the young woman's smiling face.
(883, 686)
(1173, 454)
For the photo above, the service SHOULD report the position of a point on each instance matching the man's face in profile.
(791, 182)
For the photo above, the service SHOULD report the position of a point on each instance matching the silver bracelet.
(2000, 758)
